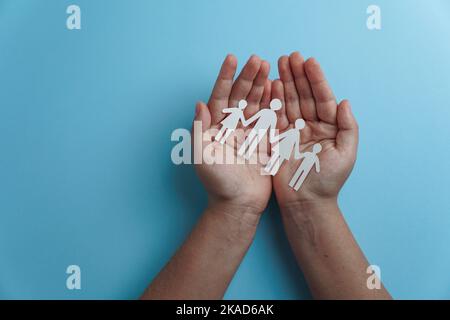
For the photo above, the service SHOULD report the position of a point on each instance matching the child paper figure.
(287, 142)
(267, 120)
(230, 123)
(309, 160)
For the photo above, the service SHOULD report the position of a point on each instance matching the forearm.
(332, 262)
(205, 264)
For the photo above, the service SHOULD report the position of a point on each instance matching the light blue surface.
(86, 118)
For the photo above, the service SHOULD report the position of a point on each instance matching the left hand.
(306, 94)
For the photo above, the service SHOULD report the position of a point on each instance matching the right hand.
(238, 187)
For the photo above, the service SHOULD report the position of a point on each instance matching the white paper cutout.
(230, 123)
(287, 142)
(309, 160)
(266, 119)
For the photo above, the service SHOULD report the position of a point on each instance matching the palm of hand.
(237, 180)
(334, 167)
(307, 94)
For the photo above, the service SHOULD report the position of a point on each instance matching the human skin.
(332, 262)
(237, 195)
(330, 258)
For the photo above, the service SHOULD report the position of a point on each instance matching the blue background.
(86, 118)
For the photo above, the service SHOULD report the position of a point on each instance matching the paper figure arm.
(297, 153)
(227, 110)
(274, 138)
(250, 120)
(272, 130)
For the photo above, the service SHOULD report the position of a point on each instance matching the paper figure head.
(242, 104)
(275, 104)
(299, 124)
(317, 148)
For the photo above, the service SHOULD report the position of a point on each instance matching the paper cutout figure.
(230, 123)
(266, 120)
(309, 160)
(287, 142)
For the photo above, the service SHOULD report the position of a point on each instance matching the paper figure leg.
(253, 146)
(226, 135)
(220, 134)
(247, 142)
(251, 149)
(300, 181)
(271, 162)
(276, 167)
(296, 176)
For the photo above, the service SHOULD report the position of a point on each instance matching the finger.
(222, 89)
(244, 82)
(347, 136)
(307, 104)
(290, 91)
(265, 100)
(257, 90)
(278, 93)
(323, 95)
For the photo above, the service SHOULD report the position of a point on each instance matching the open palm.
(237, 183)
(306, 94)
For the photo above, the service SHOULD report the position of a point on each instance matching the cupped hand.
(306, 94)
(238, 185)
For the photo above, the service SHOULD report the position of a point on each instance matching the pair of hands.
(330, 258)
(305, 94)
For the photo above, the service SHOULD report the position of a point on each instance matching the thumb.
(347, 136)
(203, 115)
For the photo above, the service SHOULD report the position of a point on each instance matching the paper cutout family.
(282, 145)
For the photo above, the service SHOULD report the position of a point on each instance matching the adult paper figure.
(287, 141)
(230, 123)
(267, 120)
(309, 160)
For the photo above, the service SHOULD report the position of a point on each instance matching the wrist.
(237, 213)
(312, 207)
(311, 221)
